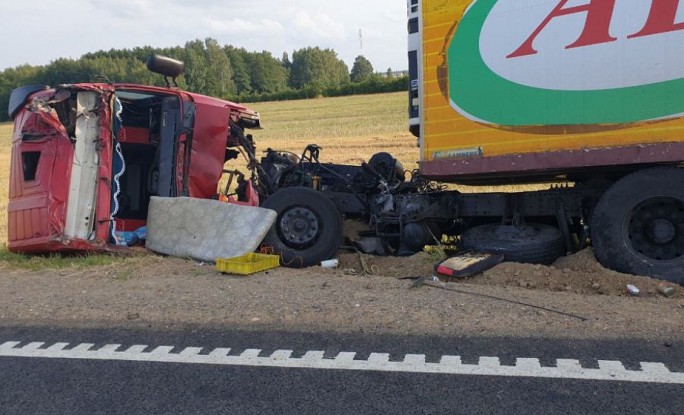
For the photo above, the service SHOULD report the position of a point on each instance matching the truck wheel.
(531, 243)
(308, 228)
(637, 226)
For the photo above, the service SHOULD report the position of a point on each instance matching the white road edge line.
(413, 363)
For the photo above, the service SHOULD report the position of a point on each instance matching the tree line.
(212, 69)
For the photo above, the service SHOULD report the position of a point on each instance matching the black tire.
(637, 227)
(531, 243)
(308, 228)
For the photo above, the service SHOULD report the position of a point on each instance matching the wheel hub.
(662, 231)
(299, 227)
(656, 229)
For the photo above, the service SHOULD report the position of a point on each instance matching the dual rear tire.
(637, 227)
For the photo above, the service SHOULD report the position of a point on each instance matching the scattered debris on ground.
(579, 273)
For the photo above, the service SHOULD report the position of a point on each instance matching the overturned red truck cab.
(86, 158)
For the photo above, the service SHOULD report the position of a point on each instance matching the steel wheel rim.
(299, 227)
(656, 228)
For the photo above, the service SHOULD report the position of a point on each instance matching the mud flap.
(205, 229)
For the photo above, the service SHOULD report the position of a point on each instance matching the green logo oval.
(479, 93)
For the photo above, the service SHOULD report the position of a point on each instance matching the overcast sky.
(40, 31)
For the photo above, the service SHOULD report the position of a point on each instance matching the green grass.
(55, 262)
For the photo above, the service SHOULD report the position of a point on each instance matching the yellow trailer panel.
(529, 90)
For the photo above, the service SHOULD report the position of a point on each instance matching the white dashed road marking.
(412, 363)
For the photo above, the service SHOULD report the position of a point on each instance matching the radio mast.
(361, 41)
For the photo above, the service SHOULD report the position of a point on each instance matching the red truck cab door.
(55, 170)
(86, 159)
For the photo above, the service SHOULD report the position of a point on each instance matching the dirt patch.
(418, 265)
(172, 292)
(578, 273)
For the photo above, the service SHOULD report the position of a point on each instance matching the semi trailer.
(587, 93)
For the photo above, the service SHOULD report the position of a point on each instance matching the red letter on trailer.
(661, 19)
(596, 29)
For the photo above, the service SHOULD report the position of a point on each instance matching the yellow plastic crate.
(247, 264)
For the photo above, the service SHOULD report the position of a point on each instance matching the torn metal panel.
(38, 173)
(59, 160)
(80, 214)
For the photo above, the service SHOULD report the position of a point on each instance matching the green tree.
(268, 73)
(220, 71)
(13, 78)
(241, 73)
(285, 61)
(317, 67)
(196, 67)
(128, 65)
(362, 69)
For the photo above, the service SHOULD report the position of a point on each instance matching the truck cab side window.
(30, 164)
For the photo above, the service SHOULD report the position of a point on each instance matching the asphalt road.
(80, 386)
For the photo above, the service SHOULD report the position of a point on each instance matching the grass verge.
(55, 262)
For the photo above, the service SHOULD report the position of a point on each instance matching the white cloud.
(243, 27)
(44, 30)
(124, 9)
(319, 25)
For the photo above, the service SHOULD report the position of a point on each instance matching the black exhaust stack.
(168, 67)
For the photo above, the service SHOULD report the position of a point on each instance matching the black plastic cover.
(414, 110)
(18, 97)
(413, 26)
